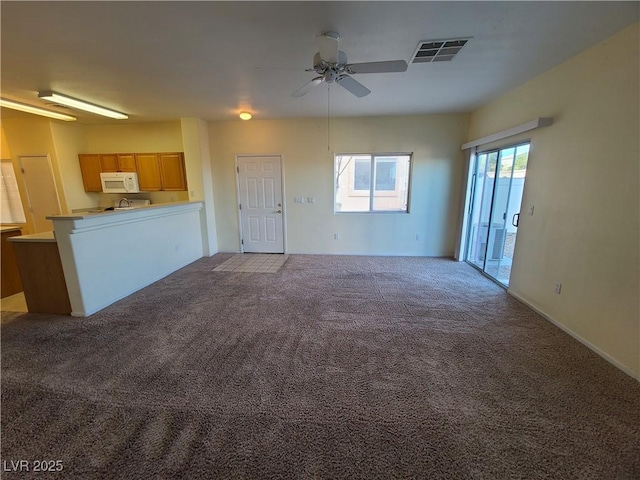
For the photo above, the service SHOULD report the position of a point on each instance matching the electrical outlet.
(558, 288)
(531, 207)
(417, 237)
(336, 236)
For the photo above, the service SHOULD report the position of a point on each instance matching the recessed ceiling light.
(35, 110)
(245, 115)
(75, 103)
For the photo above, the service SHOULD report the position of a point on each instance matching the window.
(362, 175)
(372, 183)
(12, 211)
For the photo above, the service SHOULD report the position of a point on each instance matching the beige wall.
(308, 171)
(69, 140)
(32, 135)
(583, 181)
(195, 136)
(134, 138)
(5, 151)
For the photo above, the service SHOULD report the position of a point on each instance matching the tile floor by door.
(253, 263)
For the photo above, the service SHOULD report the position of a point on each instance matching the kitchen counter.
(10, 228)
(35, 237)
(92, 213)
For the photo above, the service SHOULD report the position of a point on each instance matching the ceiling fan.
(331, 65)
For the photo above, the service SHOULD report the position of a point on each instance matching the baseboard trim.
(586, 343)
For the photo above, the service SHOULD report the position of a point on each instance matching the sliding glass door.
(498, 183)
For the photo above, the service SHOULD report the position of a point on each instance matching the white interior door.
(42, 196)
(260, 192)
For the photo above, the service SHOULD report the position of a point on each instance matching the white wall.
(583, 180)
(307, 153)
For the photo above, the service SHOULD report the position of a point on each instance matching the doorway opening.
(496, 196)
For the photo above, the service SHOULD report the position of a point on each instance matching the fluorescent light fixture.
(35, 110)
(79, 104)
(245, 115)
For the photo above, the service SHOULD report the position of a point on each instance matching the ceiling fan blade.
(328, 45)
(303, 90)
(378, 67)
(353, 86)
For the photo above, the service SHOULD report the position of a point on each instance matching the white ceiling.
(159, 61)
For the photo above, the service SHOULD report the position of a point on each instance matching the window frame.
(13, 202)
(372, 181)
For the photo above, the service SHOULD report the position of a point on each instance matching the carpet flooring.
(333, 367)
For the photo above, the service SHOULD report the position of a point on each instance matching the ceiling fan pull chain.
(328, 117)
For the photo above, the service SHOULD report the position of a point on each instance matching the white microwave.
(119, 182)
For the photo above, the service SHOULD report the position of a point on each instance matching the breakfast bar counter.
(108, 255)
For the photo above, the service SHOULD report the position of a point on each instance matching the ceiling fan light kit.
(80, 104)
(245, 116)
(331, 65)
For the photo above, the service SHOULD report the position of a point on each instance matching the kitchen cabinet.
(161, 171)
(156, 171)
(172, 171)
(10, 283)
(90, 167)
(149, 177)
(118, 162)
(45, 288)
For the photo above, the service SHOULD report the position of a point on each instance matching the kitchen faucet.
(124, 199)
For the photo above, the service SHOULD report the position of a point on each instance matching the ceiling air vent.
(438, 50)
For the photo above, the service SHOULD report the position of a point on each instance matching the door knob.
(279, 211)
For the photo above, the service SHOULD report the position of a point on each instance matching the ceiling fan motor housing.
(330, 71)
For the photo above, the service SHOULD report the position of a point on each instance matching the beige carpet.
(333, 367)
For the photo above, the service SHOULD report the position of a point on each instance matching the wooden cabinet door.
(90, 168)
(127, 162)
(172, 171)
(118, 162)
(148, 171)
(109, 162)
(10, 283)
